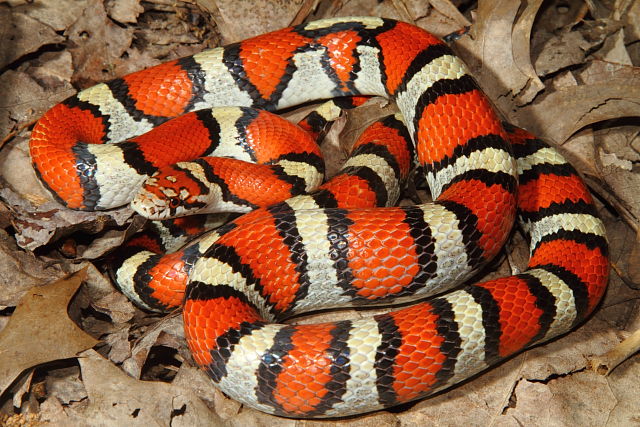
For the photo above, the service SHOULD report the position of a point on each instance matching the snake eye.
(174, 202)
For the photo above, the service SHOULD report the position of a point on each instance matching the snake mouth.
(172, 205)
(149, 206)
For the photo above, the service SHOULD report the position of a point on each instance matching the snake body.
(284, 261)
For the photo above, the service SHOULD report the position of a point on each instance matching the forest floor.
(75, 351)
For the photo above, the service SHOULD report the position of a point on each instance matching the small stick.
(607, 362)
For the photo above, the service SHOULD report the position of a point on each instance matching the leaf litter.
(82, 354)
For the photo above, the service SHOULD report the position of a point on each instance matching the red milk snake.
(288, 260)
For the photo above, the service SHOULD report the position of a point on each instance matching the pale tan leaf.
(197, 380)
(521, 49)
(617, 94)
(238, 20)
(125, 11)
(20, 271)
(98, 46)
(499, 53)
(117, 399)
(449, 10)
(16, 42)
(58, 14)
(23, 100)
(40, 330)
(559, 403)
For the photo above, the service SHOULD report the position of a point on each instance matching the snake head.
(171, 192)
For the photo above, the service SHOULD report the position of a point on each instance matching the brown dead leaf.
(630, 14)
(20, 271)
(23, 100)
(624, 181)
(125, 11)
(98, 46)
(40, 330)
(499, 51)
(18, 174)
(388, 9)
(110, 240)
(22, 388)
(239, 20)
(116, 306)
(52, 411)
(117, 399)
(66, 385)
(616, 94)
(614, 50)
(119, 345)
(632, 262)
(169, 326)
(17, 41)
(59, 14)
(572, 47)
(53, 70)
(560, 402)
(623, 382)
(562, 52)
(434, 21)
(521, 50)
(624, 243)
(196, 380)
(446, 8)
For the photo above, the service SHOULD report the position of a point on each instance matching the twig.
(14, 132)
(303, 12)
(607, 362)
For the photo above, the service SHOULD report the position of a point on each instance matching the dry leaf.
(53, 70)
(40, 330)
(555, 404)
(16, 42)
(52, 411)
(446, 8)
(617, 94)
(66, 385)
(125, 11)
(171, 325)
(117, 399)
(20, 271)
(238, 20)
(498, 53)
(631, 18)
(562, 52)
(23, 100)
(21, 389)
(99, 45)
(195, 379)
(624, 385)
(58, 14)
(542, 386)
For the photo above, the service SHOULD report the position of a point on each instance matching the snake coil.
(324, 252)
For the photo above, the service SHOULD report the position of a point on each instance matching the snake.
(246, 278)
